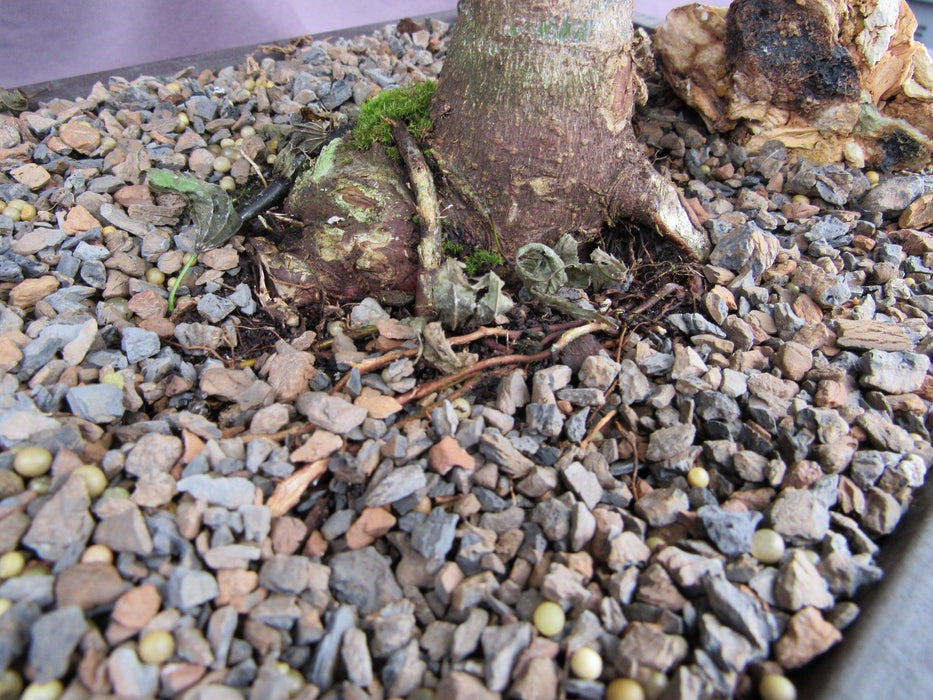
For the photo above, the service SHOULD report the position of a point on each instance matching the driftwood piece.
(836, 80)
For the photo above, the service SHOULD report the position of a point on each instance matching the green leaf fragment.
(541, 269)
(494, 301)
(545, 271)
(212, 212)
(454, 298)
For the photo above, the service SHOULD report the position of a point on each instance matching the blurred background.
(42, 40)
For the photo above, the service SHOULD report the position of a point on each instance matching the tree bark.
(533, 113)
(533, 139)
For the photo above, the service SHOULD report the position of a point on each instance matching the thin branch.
(457, 377)
(374, 363)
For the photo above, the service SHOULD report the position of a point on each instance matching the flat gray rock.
(364, 579)
(97, 403)
(53, 638)
(229, 492)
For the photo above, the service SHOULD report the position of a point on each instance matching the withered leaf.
(212, 212)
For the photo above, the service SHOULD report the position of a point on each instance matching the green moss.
(452, 248)
(409, 104)
(481, 260)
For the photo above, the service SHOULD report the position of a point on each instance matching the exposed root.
(429, 249)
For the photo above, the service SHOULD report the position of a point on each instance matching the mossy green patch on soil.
(409, 104)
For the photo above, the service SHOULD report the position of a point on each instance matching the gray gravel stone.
(741, 611)
(670, 442)
(434, 536)
(893, 372)
(331, 413)
(285, 574)
(63, 522)
(799, 516)
(215, 308)
(800, 584)
(138, 344)
(584, 483)
(730, 531)
(730, 650)
(501, 647)
(229, 492)
(661, 506)
(544, 419)
(598, 372)
(188, 588)
(130, 677)
(497, 447)
(53, 638)
(893, 194)
(364, 579)
(398, 484)
(97, 403)
(354, 652)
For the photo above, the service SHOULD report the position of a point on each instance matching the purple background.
(48, 39)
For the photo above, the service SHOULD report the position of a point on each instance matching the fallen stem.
(192, 258)
(600, 424)
(375, 363)
(659, 295)
(574, 333)
(482, 365)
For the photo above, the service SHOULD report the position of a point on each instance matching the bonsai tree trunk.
(533, 114)
(532, 137)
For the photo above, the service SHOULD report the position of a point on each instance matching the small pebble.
(156, 647)
(32, 461)
(12, 564)
(698, 477)
(767, 546)
(777, 687)
(587, 664)
(549, 618)
(625, 689)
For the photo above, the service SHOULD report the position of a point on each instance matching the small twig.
(578, 332)
(658, 296)
(202, 348)
(288, 432)
(429, 249)
(444, 382)
(630, 439)
(600, 424)
(256, 169)
(375, 363)
(425, 410)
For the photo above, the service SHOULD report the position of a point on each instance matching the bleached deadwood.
(837, 80)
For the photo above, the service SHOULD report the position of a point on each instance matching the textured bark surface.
(835, 79)
(533, 140)
(359, 237)
(532, 112)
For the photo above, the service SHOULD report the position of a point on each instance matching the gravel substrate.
(701, 494)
